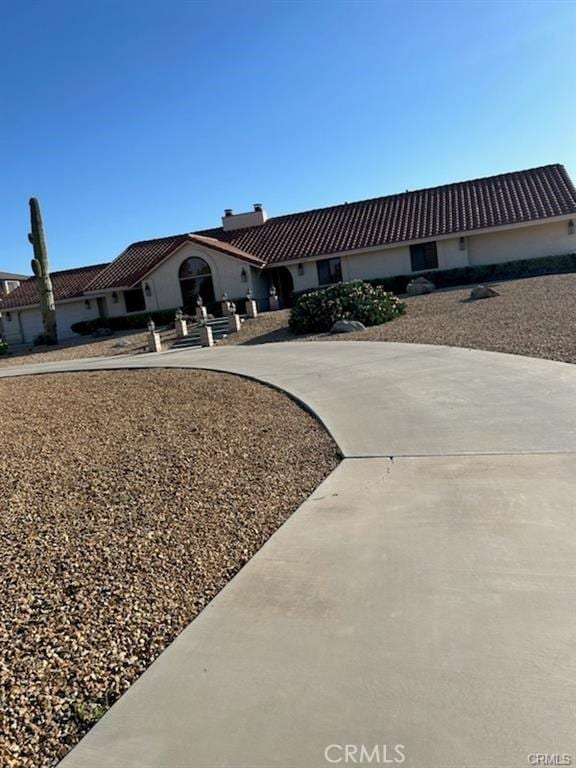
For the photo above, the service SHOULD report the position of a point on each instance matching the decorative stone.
(251, 308)
(419, 286)
(483, 292)
(347, 326)
(234, 323)
(206, 336)
(102, 332)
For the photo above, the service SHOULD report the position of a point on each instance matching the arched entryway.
(281, 279)
(195, 278)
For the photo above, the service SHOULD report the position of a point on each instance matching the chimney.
(232, 221)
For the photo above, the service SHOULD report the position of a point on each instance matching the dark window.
(423, 256)
(329, 271)
(134, 300)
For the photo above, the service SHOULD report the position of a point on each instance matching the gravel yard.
(535, 316)
(128, 343)
(129, 499)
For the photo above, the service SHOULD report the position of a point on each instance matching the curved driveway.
(420, 603)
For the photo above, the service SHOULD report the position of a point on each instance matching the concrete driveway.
(418, 608)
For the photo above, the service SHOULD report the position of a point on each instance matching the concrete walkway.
(422, 598)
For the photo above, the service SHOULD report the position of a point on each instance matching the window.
(423, 256)
(134, 300)
(329, 271)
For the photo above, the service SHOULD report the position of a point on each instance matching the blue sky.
(139, 119)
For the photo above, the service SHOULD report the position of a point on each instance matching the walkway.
(422, 596)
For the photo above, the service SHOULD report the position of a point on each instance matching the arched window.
(195, 280)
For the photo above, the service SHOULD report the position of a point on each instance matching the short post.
(234, 323)
(251, 308)
(154, 342)
(180, 324)
(201, 313)
(225, 305)
(206, 336)
(274, 302)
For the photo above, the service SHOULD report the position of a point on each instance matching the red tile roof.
(510, 198)
(67, 284)
(140, 258)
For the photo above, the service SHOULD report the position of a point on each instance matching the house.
(511, 216)
(8, 283)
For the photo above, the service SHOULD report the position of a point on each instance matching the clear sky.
(131, 119)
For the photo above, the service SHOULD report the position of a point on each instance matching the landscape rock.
(483, 292)
(102, 332)
(419, 286)
(347, 326)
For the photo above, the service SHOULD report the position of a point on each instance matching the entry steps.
(220, 328)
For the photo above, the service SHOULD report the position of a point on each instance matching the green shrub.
(318, 310)
(123, 322)
(3, 347)
(44, 340)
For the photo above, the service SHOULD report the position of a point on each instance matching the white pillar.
(274, 303)
(181, 327)
(251, 309)
(154, 342)
(206, 337)
(201, 314)
(234, 323)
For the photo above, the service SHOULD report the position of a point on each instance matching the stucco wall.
(226, 276)
(530, 242)
(26, 324)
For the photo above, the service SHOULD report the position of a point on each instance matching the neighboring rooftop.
(12, 276)
(67, 284)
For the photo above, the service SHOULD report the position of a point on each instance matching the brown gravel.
(535, 316)
(129, 343)
(129, 499)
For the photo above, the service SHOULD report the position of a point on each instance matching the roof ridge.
(410, 192)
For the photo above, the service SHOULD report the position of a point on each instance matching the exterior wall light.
(147, 289)
(244, 275)
(9, 316)
(571, 227)
(300, 268)
(462, 243)
(87, 303)
(115, 297)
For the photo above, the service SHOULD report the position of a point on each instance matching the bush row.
(123, 322)
(481, 273)
(318, 310)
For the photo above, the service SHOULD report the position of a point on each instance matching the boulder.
(419, 286)
(347, 326)
(102, 332)
(483, 292)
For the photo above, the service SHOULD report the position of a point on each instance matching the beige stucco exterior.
(235, 276)
(22, 326)
(546, 239)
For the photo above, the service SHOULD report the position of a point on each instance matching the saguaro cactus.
(42, 273)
